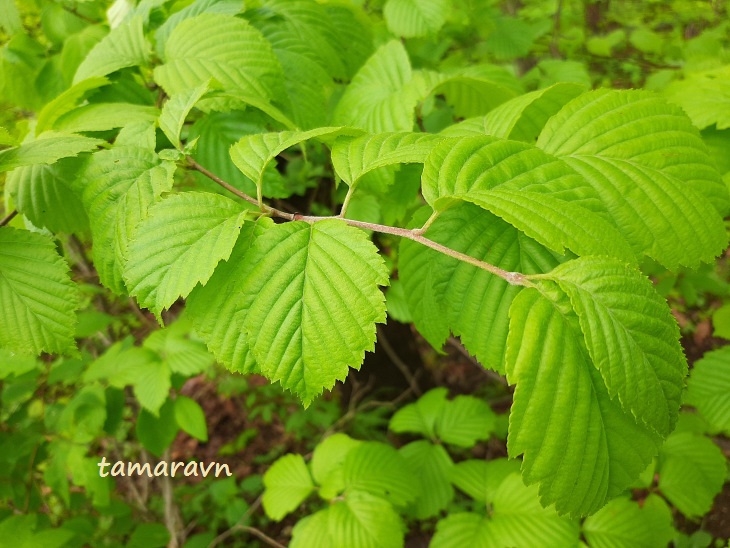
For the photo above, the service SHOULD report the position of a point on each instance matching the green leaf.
(467, 300)
(215, 308)
(708, 388)
(464, 421)
(535, 192)
(10, 18)
(580, 445)
(66, 102)
(253, 153)
(117, 187)
(422, 416)
(105, 116)
(361, 520)
(287, 484)
(631, 337)
(460, 529)
(692, 470)
(150, 377)
(432, 466)
(327, 463)
(176, 109)
(650, 169)
(125, 46)
(381, 96)
(190, 417)
(521, 118)
(411, 18)
(166, 261)
(480, 479)
(721, 322)
(622, 523)
(38, 190)
(46, 149)
(353, 158)
(519, 519)
(35, 285)
(704, 97)
(157, 433)
(470, 91)
(308, 318)
(227, 50)
(225, 7)
(379, 469)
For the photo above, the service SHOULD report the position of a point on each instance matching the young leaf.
(622, 522)
(105, 116)
(533, 191)
(422, 416)
(464, 421)
(157, 433)
(312, 299)
(361, 520)
(176, 109)
(630, 335)
(225, 49)
(47, 149)
(480, 479)
(179, 245)
(432, 466)
(327, 461)
(378, 469)
(215, 308)
(125, 46)
(287, 483)
(37, 297)
(117, 187)
(353, 158)
(649, 167)
(150, 377)
(381, 96)
(580, 445)
(254, 152)
(190, 417)
(460, 529)
(708, 388)
(692, 470)
(411, 18)
(66, 102)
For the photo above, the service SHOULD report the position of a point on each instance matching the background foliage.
(412, 449)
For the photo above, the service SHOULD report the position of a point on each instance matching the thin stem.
(428, 223)
(10, 217)
(346, 203)
(513, 278)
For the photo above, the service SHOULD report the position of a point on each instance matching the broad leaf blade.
(381, 96)
(309, 319)
(47, 149)
(422, 416)
(580, 445)
(411, 18)
(117, 187)
(709, 388)
(125, 46)
(179, 245)
(630, 335)
(432, 466)
(287, 483)
(464, 421)
(176, 109)
(623, 523)
(37, 297)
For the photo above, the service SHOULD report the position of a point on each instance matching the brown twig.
(9, 217)
(513, 278)
(400, 364)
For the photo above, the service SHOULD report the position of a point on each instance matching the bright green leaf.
(708, 388)
(35, 285)
(178, 245)
(176, 109)
(190, 418)
(308, 318)
(578, 443)
(47, 149)
(125, 46)
(432, 466)
(411, 18)
(287, 483)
